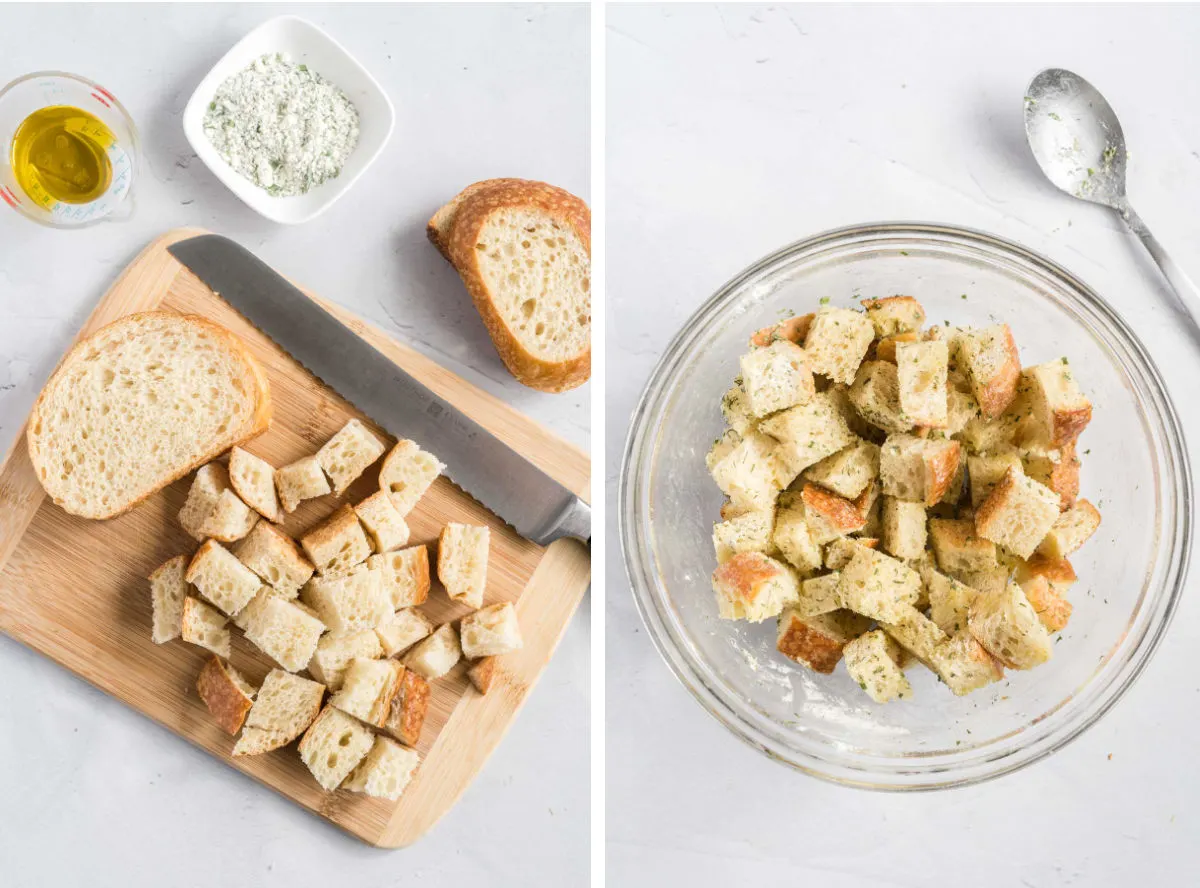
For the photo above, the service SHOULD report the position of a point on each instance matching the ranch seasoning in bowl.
(288, 120)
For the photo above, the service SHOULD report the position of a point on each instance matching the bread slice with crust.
(407, 715)
(226, 693)
(439, 227)
(179, 382)
(523, 250)
(483, 674)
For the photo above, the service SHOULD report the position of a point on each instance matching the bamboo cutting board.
(75, 590)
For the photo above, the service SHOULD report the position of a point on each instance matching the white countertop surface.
(735, 130)
(93, 793)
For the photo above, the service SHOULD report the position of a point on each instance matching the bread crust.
(226, 701)
(407, 708)
(442, 223)
(483, 674)
(794, 330)
(260, 421)
(844, 515)
(469, 218)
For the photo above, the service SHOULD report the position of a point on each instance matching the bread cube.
(957, 547)
(921, 375)
(984, 435)
(407, 715)
(404, 574)
(402, 630)
(894, 315)
(961, 409)
(985, 582)
(283, 631)
(837, 342)
(490, 632)
(368, 688)
(384, 772)
(916, 633)
(735, 408)
(878, 586)
(1006, 624)
(1057, 469)
(253, 480)
(957, 486)
(751, 586)
(903, 528)
(817, 641)
(276, 558)
(949, 602)
(205, 627)
(338, 544)
(1017, 514)
(808, 433)
(385, 527)
(299, 481)
(752, 473)
(333, 746)
(818, 595)
(989, 356)
(463, 562)
(226, 693)
(828, 515)
(987, 470)
(847, 472)
(286, 704)
(407, 472)
(348, 454)
(885, 349)
(168, 588)
(206, 489)
(875, 395)
(964, 665)
(483, 674)
(1053, 610)
(1059, 408)
(776, 377)
(436, 655)
(1057, 572)
(221, 579)
(230, 519)
(795, 542)
(793, 329)
(749, 532)
(335, 653)
(839, 552)
(1070, 530)
(721, 448)
(351, 602)
(873, 660)
(918, 469)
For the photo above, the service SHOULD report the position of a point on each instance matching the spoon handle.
(1185, 290)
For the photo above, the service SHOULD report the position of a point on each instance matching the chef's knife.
(535, 504)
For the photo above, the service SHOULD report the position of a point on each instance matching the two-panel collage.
(567, 445)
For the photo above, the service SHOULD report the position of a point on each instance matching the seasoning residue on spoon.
(282, 126)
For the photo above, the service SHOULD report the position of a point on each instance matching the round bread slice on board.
(139, 404)
(523, 249)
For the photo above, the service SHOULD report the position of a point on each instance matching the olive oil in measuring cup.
(61, 153)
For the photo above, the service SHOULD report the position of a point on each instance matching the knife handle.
(573, 520)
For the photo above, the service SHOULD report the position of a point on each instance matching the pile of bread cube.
(342, 604)
(900, 494)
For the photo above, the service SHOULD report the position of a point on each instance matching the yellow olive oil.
(60, 153)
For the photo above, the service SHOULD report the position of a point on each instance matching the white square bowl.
(303, 43)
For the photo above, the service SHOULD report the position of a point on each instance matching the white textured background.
(92, 793)
(734, 130)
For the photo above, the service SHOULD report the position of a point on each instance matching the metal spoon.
(1077, 141)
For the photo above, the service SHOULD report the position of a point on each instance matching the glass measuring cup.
(44, 89)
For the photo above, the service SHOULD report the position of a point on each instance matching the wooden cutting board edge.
(546, 595)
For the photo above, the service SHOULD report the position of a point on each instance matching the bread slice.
(776, 377)
(348, 454)
(226, 693)
(276, 558)
(490, 631)
(338, 544)
(463, 562)
(209, 482)
(523, 250)
(205, 626)
(335, 653)
(368, 688)
(1018, 514)
(404, 574)
(894, 315)
(299, 481)
(921, 374)
(407, 472)
(402, 630)
(436, 655)
(333, 746)
(837, 342)
(749, 532)
(139, 404)
(808, 433)
(989, 357)
(351, 602)
(282, 630)
(285, 706)
(409, 706)
(221, 578)
(817, 641)
(873, 661)
(385, 772)
(439, 227)
(168, 589)
(483, 674)
(253, 480)
(1006, 624)
(751, 586)
(385, 526)
(1071, 530)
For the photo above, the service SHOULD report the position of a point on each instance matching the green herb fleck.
(1053, 116)
(824, 300)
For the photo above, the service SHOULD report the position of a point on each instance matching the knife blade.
(540, 508)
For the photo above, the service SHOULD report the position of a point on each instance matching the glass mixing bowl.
(1135, 469)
